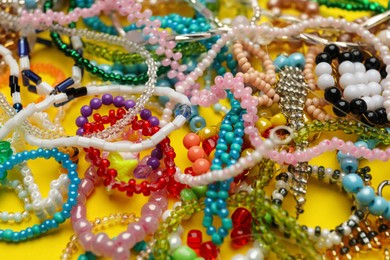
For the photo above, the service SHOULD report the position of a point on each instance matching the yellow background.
(326, 205)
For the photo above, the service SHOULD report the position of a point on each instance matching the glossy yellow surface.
(326, 206)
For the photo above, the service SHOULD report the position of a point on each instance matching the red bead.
(111, 113)
(97, 117)
(267, 132)
(120, 113)
(105, 120)
(240, 236)
(104, 163)
(241, 217)
(208, 250)
(194, 238)
(112, 172)
(175, 188)
(209, 145)
(189, 170)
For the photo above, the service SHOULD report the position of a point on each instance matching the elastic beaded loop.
(275, 138)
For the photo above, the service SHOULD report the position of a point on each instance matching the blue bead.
(280, 62)
(297, 60)
(222, 232)
(361, 144)
(183, 110)
(223, 213)
(30, 4)
(352, 182)
(378, 206)
(194, 111)
(386, 214)
(207, 212)
(208, 201)
(216, 239)
(341, 155)
(365, 196)
(105, 67)
(211, 230)
(197, 123)
(349, 164)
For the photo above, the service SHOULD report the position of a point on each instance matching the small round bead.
(341, 108)
(323, 68)
(357, 56)
(190, 140)
(372, 63)
(332, 50)
(324, 57)
(325, 81)
(378, 206)
(352, 183)
(358, 106)
(346, 67)
(365, 196)
(332, 94)
(297, 60)
(344, 56)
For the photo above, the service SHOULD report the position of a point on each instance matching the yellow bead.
(207, 132)
(247, 152)
(278, 119)
(211, 155)
(263, 124)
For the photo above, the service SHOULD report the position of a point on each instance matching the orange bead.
(190, 140)
(195, 152)
(201, 166)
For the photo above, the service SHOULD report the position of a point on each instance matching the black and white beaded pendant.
(358, 90)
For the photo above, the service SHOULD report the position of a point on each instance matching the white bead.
(174, 241)
(276, 195)
(176, 204)
(282, 184)
(325, 233)
(328, 243)
(363, 89)
(335, 238)
(373, 76)
(361, 77)
(346, 67)
(325, 81)
(377, 102)
(359, 67)
(347, 229)
(4, 216)
(239, 257)
(166, 214)
(368, 102)
(354, 218)
(323, 68)
(384, 36)
(374, 88)
(310, 232)
(18, 217)
(255, 254)
(386, 104)
(351, 92)
(347, 79)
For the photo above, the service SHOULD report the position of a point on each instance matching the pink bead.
(160, 50)
(125, 239)
(166, 62)
(78, 213)
(98, 244)
(151, 208)
(172, 74)
(121, 253)
(150, 223)
(91, 174)
(177, 56)
(86, 187)
(160, 200)
(137, 230)
(108, 248)
(86, 240)
(82, 226)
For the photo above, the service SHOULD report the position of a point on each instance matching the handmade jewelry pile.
(244, 90)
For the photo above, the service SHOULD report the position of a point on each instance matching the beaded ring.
(9, 235)
(118, 248)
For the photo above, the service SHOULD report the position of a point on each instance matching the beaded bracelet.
(97, 225)
(354, 5)
(16, 217)
(100, 244)
(9, 235)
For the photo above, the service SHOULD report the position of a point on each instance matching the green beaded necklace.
(353, 5)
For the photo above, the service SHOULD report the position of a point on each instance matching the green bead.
(268, 218)
(229, 137)
(223, 194)
(207, 221)
(200, 191)
(184, 252)
(217, 240)
(187, 194)
(7, 234)
(140, 246)
(211, 194)
(227, 223)
(58, 218)
(36, 230)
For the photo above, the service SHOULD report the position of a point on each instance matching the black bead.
(336, 174)
(17, 107)
(366, 169)
(277, 202)
(323, 57)
(372, 234)
(283, 176)
(383, 228)
(283, 191)
(332, 94)
(340, 230)
(370, 118)
(333, 50)
(321, 172)
(286, 235)
(317, 231)
(359, 214)
(304, 227)
(341, 108)
(357, 56)
(382, 116)
(372, 63)
(383, 72)
(344, 250)
(345, 56)
(358, 106)
(352, 242)
(362, 237)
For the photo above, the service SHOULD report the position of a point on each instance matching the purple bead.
(107, 99)
(157, 153)
(80, 131)
(129, 104)
(95, 103)
(81, 121)
(86, 111)
(145, 114)
(142, 171)
(153, 120)
(119, 101)
(153, 162)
